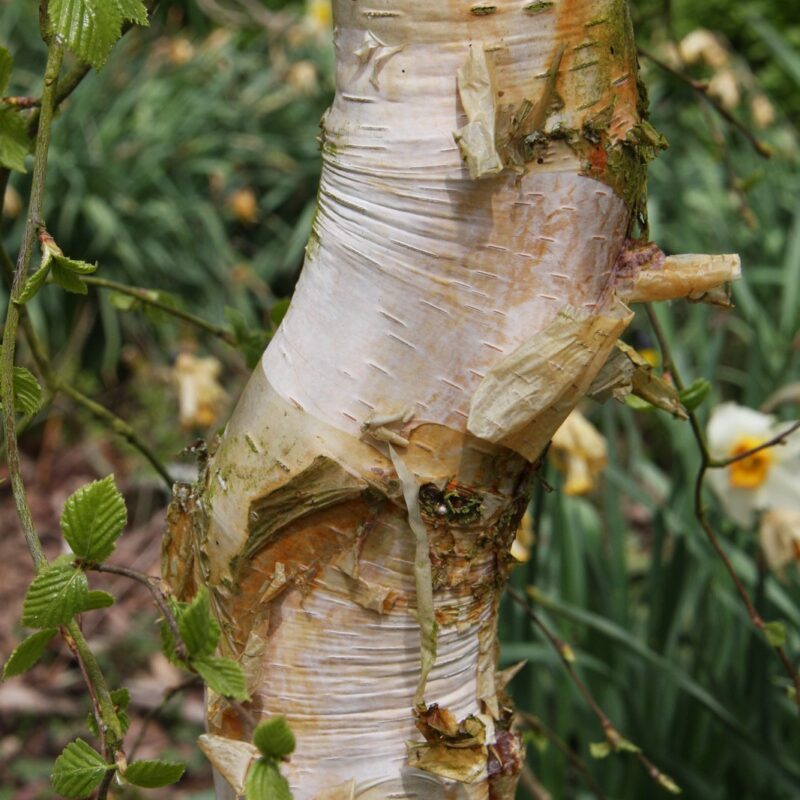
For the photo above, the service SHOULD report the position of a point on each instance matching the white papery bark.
(471, 313)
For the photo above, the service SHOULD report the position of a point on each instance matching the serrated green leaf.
(73, 265)
(97, 599)
(28, 652)
(14, 141)
(265, 782)
(775, 633)
(33, 284)
(6, 63)
(78, 770)
(68, 280)
(93, 520)
(153, 774)
(121, 698)
(274, 737)
(223, 676)
(599, 750)
(90, 28)
(199, 630)
(134, 11)
(57, 593)
(27, 392)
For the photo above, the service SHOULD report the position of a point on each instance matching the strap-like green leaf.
(274, 737)
(198, 628)
(89, 27)
(68, 280)
(78, 770)
(28, 652)
(57, 593)
(6, 63)
(14, 141)
(265, 782)
(223, 676)
(152, 774)
(93, 519)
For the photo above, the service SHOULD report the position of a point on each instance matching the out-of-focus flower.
(180, 50)
(199, 393)
(524, 539)
(725, 88)
(302, 77)
(319, 15)
(244, 205)
(12, 204)
(579, 450)
(703, 45)
(762, 111)
(779, 535)
(768, 479)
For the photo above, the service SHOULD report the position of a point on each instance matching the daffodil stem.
(565, 653)
(706, 463)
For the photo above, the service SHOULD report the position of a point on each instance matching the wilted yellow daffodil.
(779, 535)
(768, 479)
(523, 541)
(200, 395)
(579, 450)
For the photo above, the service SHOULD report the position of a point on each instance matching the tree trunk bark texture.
(482, 188)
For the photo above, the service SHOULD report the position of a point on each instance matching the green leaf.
(223, 676)
(93, 520)
(57, 593)
(6, 63)
(68, 280)
(123, 302)
(249, 340)
(28, 652)
(121, 698)
(90, 28)
(153, 774)
(693, 396)
(78, 770)
(199, 630)
(775, 633)
(14, 141)
(27, 392)
(34, 283)
(133, 11)
(599, 749)
(274, 737)
(73, 265)
(264, 782)
(97, 599)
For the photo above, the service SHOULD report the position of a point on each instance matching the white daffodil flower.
(779, 535)
(768, 479)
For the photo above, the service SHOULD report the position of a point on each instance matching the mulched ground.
(43, 710)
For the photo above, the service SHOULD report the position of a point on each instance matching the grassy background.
(147, 162)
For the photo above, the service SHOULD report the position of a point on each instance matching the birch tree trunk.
(482, 190)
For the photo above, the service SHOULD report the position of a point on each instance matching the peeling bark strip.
(484, 171)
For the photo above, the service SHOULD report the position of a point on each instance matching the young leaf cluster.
(275, 741)
(64, 271)
(199, 634)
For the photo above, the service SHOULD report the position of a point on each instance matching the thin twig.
(614, 738)
(159, 597)
(151, 298)
(580, 765)
(702, 90)
(706, 463)
(779, 439)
